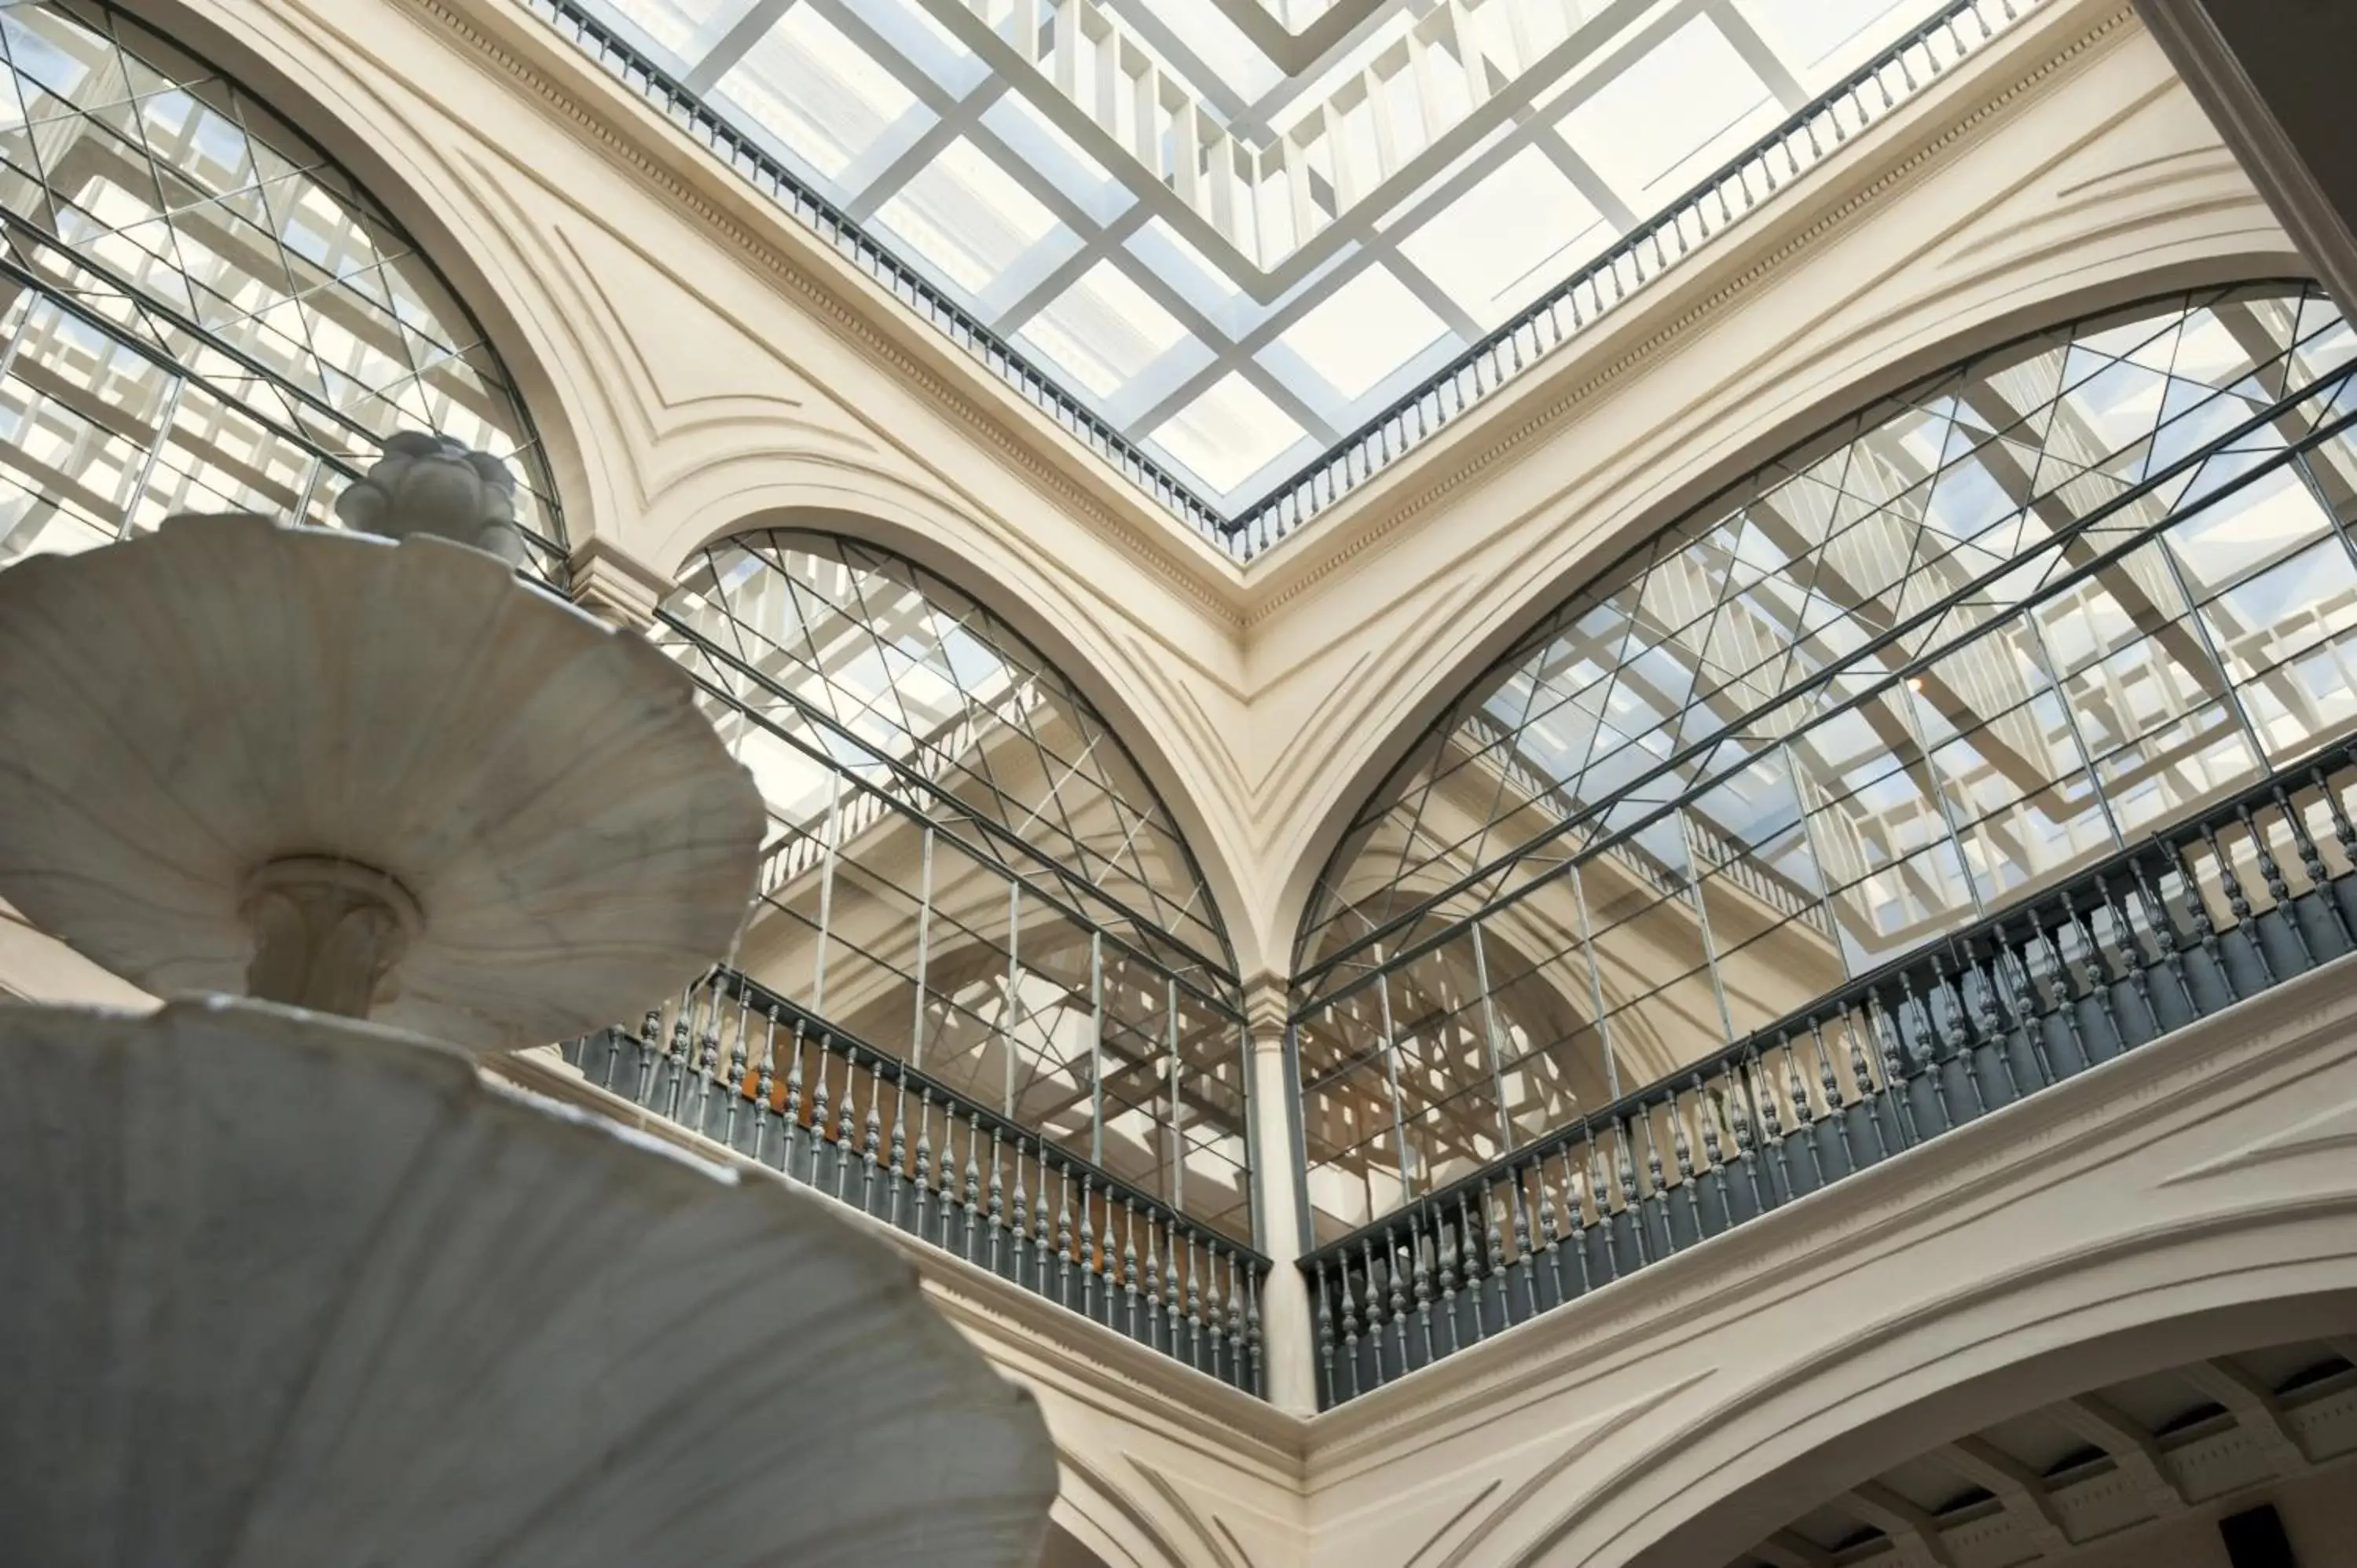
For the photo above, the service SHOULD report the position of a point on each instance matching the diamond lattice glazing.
(1973, 638)
(200, 309)
(966, 869)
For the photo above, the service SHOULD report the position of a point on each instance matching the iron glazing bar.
(2053, 587)
(924, 941)
(992, 834)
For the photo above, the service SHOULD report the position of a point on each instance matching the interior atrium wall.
(1956, 649)
(2063, 168)
(2066, 173)
(697, 369)
(964, 868)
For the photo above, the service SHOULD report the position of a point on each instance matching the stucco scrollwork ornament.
(436, 485)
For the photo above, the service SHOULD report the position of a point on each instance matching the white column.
(1288, 1346)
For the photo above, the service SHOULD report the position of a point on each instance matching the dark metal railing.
(768, 175)
(736, 1063)
(1722, 199)
(1716, 203)
(2221, 907)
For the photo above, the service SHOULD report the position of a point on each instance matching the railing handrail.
(1367, 449)
(2044, 910)
(834, 1039)
(790, 1091)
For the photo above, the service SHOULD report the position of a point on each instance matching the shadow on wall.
(1064, 1552)
(1724, 1530)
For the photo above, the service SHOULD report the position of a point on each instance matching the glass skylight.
(1238, 230)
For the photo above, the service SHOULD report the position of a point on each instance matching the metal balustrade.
(2254, 891)
(1726, 197)
(746, 1069)
(1729, 195)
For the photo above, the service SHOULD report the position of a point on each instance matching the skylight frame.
(1810, 136)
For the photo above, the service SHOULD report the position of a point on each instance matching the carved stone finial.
(435, 484)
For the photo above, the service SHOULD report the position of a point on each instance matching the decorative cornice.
(1460, 456)
(1267, 1006)
(1019, 448)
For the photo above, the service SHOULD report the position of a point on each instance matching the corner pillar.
(1288, 1343)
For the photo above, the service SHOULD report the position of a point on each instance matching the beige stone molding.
(616, 588)
(2185, 1201)
(1266, 1007)
(698, 362)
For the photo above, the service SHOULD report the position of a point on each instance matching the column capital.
(1268, 1003)
(617, 588)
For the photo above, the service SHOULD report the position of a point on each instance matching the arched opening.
(1927, 664)
(2139, 1469)
(966, 871)
(2129, 1448)
(200, 309)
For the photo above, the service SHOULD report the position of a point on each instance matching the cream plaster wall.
(699, 364)
(2065, 170)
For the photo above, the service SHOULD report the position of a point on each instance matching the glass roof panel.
(1518, 230)
(1627, 131)
(1037, 145)
(675, 30)
(1105, 331)
(1196, 213)
(814, 93)
(1229, 434)
(986, 233)
(1820, 40)
(1360, 335)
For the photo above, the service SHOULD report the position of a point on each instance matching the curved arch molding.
(697, 364)
(2196, 1197)
(2077, 175)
